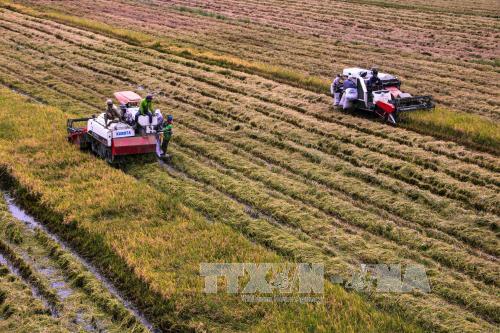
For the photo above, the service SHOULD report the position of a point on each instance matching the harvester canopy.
(128, 98)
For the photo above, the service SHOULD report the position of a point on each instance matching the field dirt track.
(267, 158)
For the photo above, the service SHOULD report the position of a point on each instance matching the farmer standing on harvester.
(336, 89)
(350, 93)
(145, 109)
(374, 81)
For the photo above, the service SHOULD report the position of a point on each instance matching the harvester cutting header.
(369, 90)
(131, 130)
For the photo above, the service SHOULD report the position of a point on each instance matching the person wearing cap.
(374, 81)
(112, 114)
(145, 109)
(167, 131)
(336, 89)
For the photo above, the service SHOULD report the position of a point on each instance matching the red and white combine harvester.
(121, 138)
(384, 98)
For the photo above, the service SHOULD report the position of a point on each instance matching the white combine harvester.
(121, 138)
(385, 99)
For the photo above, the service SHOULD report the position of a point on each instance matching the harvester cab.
(385, 98)
(119, 138)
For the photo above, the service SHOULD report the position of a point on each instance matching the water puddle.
(60, 285)
(20, 214)
(62, 290)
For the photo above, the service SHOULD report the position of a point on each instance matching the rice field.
(46, 288)
(145, 241)
(272, 162)
(445, 53)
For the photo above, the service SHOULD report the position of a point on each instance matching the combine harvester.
(121, 138)
(385, 99)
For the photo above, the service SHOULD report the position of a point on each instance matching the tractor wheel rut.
(70, 288)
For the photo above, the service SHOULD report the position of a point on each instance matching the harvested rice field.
(262, 168)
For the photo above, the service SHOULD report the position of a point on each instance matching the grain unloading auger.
(386, 98)
(121, 138)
